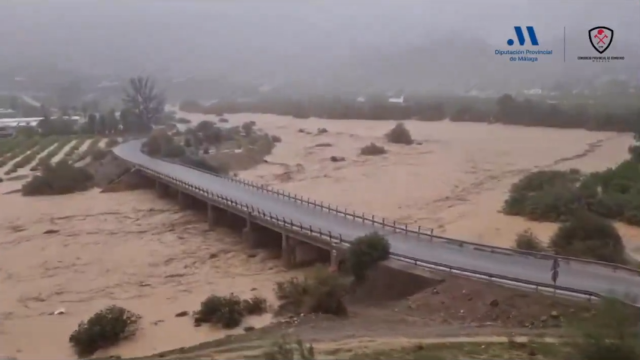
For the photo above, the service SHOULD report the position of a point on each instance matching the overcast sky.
(191, 37)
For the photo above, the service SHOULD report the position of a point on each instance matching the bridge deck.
(574, 275)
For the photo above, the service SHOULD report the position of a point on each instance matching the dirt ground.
(459, 309)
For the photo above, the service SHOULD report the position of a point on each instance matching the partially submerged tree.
(144, 100)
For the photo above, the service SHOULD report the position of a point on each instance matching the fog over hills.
(329, 46)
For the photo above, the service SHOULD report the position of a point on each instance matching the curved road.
(575, 275)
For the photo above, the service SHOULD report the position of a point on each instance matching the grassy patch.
(469, 350)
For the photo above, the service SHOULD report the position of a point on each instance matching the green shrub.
(320, 292)
(256, 305)
(58, 179)
(589, 236)
(27, 132)
(288, 349)
(182, 121)
(247, 128)
(366, 251)
(105, 328)
(99, 154)
(202, 164)
(372, 150)
(225, 311)
(528, 241)
(187, 142)
(205, 126)
(610, 334)
(399, 135)
(112, 142)
(173, 151)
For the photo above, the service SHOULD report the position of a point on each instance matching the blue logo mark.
(521, 39)
(531, 54)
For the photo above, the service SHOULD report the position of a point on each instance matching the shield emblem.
(601, 38)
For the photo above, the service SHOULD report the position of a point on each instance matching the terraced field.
(51, 154)
(21, 153)
(93, 145)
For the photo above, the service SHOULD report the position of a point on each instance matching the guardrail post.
(406, 228)
(363, 218)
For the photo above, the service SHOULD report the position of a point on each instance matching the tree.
(365, 251)
(589, 236)
(101, 125)
(145, 102)
(112, 123)
(92, 121)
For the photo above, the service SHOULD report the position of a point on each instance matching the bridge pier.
(161, 188)
(337, 255)
(248, 234)
(183, 199)
(213, 216)
(288, 251)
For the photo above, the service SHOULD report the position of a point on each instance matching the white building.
(8, 127)
(399, 100)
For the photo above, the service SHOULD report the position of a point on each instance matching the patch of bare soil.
(457, 308)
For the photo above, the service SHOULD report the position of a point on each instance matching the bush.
(182, 121)
(611, 334)
(247, 128)
(27, 132)
(225, 311)
(528, 241)
(105, 328)
(157, 142)
(286, 349)
(58, 179)
(365, 251)
(173, 151)
(112, 142)
(319, 292)
(372, 150)
(589, 236)
(276, 139)
(256, 305)
(187, 142)
(399, 135)
(205, 126)
(202, 164)
(99, 154)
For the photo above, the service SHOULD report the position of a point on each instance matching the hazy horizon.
(359, 44)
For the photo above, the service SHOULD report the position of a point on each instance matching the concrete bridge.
(297, 247)
(306, 230)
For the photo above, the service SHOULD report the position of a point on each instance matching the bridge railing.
(338, 238)
(419, 231)
(383, 222)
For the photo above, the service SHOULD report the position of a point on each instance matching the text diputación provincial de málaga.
(524, 52)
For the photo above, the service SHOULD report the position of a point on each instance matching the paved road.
(574, 275)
